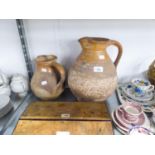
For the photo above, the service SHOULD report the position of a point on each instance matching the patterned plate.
(118, 124)
(123, 98)
(129, 91)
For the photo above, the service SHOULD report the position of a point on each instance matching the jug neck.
(45, 61)
(94, 43)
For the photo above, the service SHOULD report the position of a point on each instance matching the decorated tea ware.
(131, 111)
(142, 87)
(131, 92)
(140, 131)
(129, 115)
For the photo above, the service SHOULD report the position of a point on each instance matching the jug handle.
(120, 50)
(60, 69)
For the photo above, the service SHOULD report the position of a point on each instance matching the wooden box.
(76, 118)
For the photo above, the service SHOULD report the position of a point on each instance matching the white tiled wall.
(60, 37)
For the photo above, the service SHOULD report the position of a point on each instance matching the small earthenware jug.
(93, 76)
(151, 73)
(48, 79)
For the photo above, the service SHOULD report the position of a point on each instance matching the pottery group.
(92, 77)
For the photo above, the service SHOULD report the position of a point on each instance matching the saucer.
(125, 130)
(129, 91)
(117, 123)
(140, 131)
(120, 115)
(124, 98)
(121, 131)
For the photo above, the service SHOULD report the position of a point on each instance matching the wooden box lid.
(66, 110)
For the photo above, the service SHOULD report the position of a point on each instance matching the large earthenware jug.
(93, 76)
(48, 79)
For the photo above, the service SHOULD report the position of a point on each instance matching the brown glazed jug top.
(45, 59)
(94, 43)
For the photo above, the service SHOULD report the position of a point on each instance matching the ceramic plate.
(121, 131)
(120, 116)
(129, 91)
(140, 130)
(125, 130)
(123, 98)
(153, 119)
(119, 125)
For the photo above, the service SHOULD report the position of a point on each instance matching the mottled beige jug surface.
(93, 76)
(48, 79)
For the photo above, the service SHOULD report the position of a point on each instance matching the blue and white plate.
(129, 90)
(123, 97)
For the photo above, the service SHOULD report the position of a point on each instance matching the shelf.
(8, 122)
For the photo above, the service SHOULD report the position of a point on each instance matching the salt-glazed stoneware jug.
(93, 76)
(48, 79)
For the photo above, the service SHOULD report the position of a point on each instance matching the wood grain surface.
(77, 118)
(73, 110)
(35, 127)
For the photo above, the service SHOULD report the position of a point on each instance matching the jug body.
(93, 76)
(48, 79)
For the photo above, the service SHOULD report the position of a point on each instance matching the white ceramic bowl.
(19, 84)
(5, 90)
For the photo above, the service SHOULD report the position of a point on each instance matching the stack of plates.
(126, 94)
(124, 125)
(5, 105)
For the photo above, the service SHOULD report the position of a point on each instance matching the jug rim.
(46, 59)
(94, 39)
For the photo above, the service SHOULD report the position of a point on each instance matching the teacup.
(132, 111)
(142, 87)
